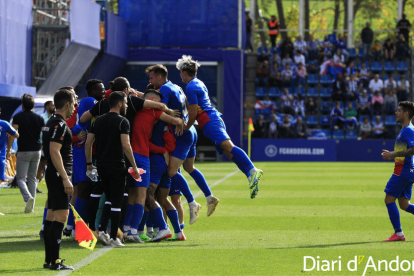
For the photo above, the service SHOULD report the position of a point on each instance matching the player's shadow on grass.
(32, 245)
(327, 245)
(18, 271)
(18, 237)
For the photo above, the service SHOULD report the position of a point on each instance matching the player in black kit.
(57, 147)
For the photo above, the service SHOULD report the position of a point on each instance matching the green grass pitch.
(329, 210)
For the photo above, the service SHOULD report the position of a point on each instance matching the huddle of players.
(150, 146)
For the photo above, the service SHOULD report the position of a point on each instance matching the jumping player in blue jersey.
(401, 182)
(7, 136)
(209, 119)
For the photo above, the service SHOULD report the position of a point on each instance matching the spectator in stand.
(287, 60)
(389, 84)
(378, 130)
(341, 44)
(377, 103)
(401, 49)
(388, 49)
(299, 105)
(312, 49)
(390, 102)
(337, 115)
(364, 104)
(249, 27)
(350, 115)
(274, 76)
(287, 74)
(376, 84)
(364, 75)
(287, 103)
(300, 75)
(299, 58)
(262, 57)
(326, 48)
(352, 88)
(310, 106)
(365, 129)
(339, 58)
(403, 88)
(276, 59)
(272, 127)
(273, 30)
(339, 89)
(299, 129)
(285, 130)
(350, 70)
(286, 47)
(367, 35)
(262, 69)
(300, 45)
(259, 127)
(376, 50)
(404, 26)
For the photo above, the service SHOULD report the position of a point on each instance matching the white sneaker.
(162, 234)
(211, 205)
(103, 237)
(115, 243)
(29, 205)
(134, 238)
(194, 213)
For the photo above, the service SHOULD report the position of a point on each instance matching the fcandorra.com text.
(357, 263)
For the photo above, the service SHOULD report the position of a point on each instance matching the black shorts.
(56, 196)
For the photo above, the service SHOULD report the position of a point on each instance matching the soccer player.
(111, 132)
(141, 193)
(209, 119)
(175, 99)
(57, 146)
(401, 182)
(7, 136)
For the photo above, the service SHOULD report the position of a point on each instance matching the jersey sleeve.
(157, 114)
(409, 137)
(124, 126)
(136, 103)
(9, 129)
(58, 132)
(191, 93)
(165, 94)
(95, 109)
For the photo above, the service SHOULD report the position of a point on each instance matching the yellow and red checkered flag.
(83, 235)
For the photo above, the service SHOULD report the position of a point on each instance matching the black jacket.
(367, 35)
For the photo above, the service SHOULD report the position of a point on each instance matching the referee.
(57, 147)
(111, 132)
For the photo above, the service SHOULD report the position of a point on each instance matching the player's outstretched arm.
(389, 155)
(192, 115)
(86, 116)
(58, 163)
(178, 122)
(88, 150)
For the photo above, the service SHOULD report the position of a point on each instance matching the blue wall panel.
(84, 23)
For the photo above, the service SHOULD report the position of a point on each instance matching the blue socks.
(173, 217)
(242, 160)
(137, 216)
(201, 182)
(394, 216)
(81, 206)
(128, 215)
(141, 226)
(158, 216)
(149, 221)
(182, 184)
(45, 213)
(182, 226)
(410, 209)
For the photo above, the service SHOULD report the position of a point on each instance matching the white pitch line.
(96, 254)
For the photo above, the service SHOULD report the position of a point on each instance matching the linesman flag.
(251, 128)
(83, 235)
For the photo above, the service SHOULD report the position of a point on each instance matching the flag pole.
(251, 128)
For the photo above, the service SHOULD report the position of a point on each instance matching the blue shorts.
(2, 168)
(79, 166)
(399, 186)
(184, 143)
(215, 130)
(142, 162)
(165, 181)
(174, 190)
(158, 168)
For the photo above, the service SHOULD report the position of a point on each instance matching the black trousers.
(273, 40)
(113, 184)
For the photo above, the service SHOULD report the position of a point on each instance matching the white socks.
(192, 204)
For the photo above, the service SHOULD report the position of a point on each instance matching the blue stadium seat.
(325, 120)
(338, 134)
(399, 77)
(261, 91)
(326, 107)
(352, 52)
(326, 92)
(376, 66)
(299, 90)
(327, 133)
(274, 92)
(361, 52)
(313, 66)
(260, 49)
(390, 120)
(312, 79)
(312, 120)
(273, 50)
(389, 66)
(358, 65)
(361, 118)
(402, 66)
(332, 38)
(312, 92)
(351, 134)
(373, 120)
(326, 79)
